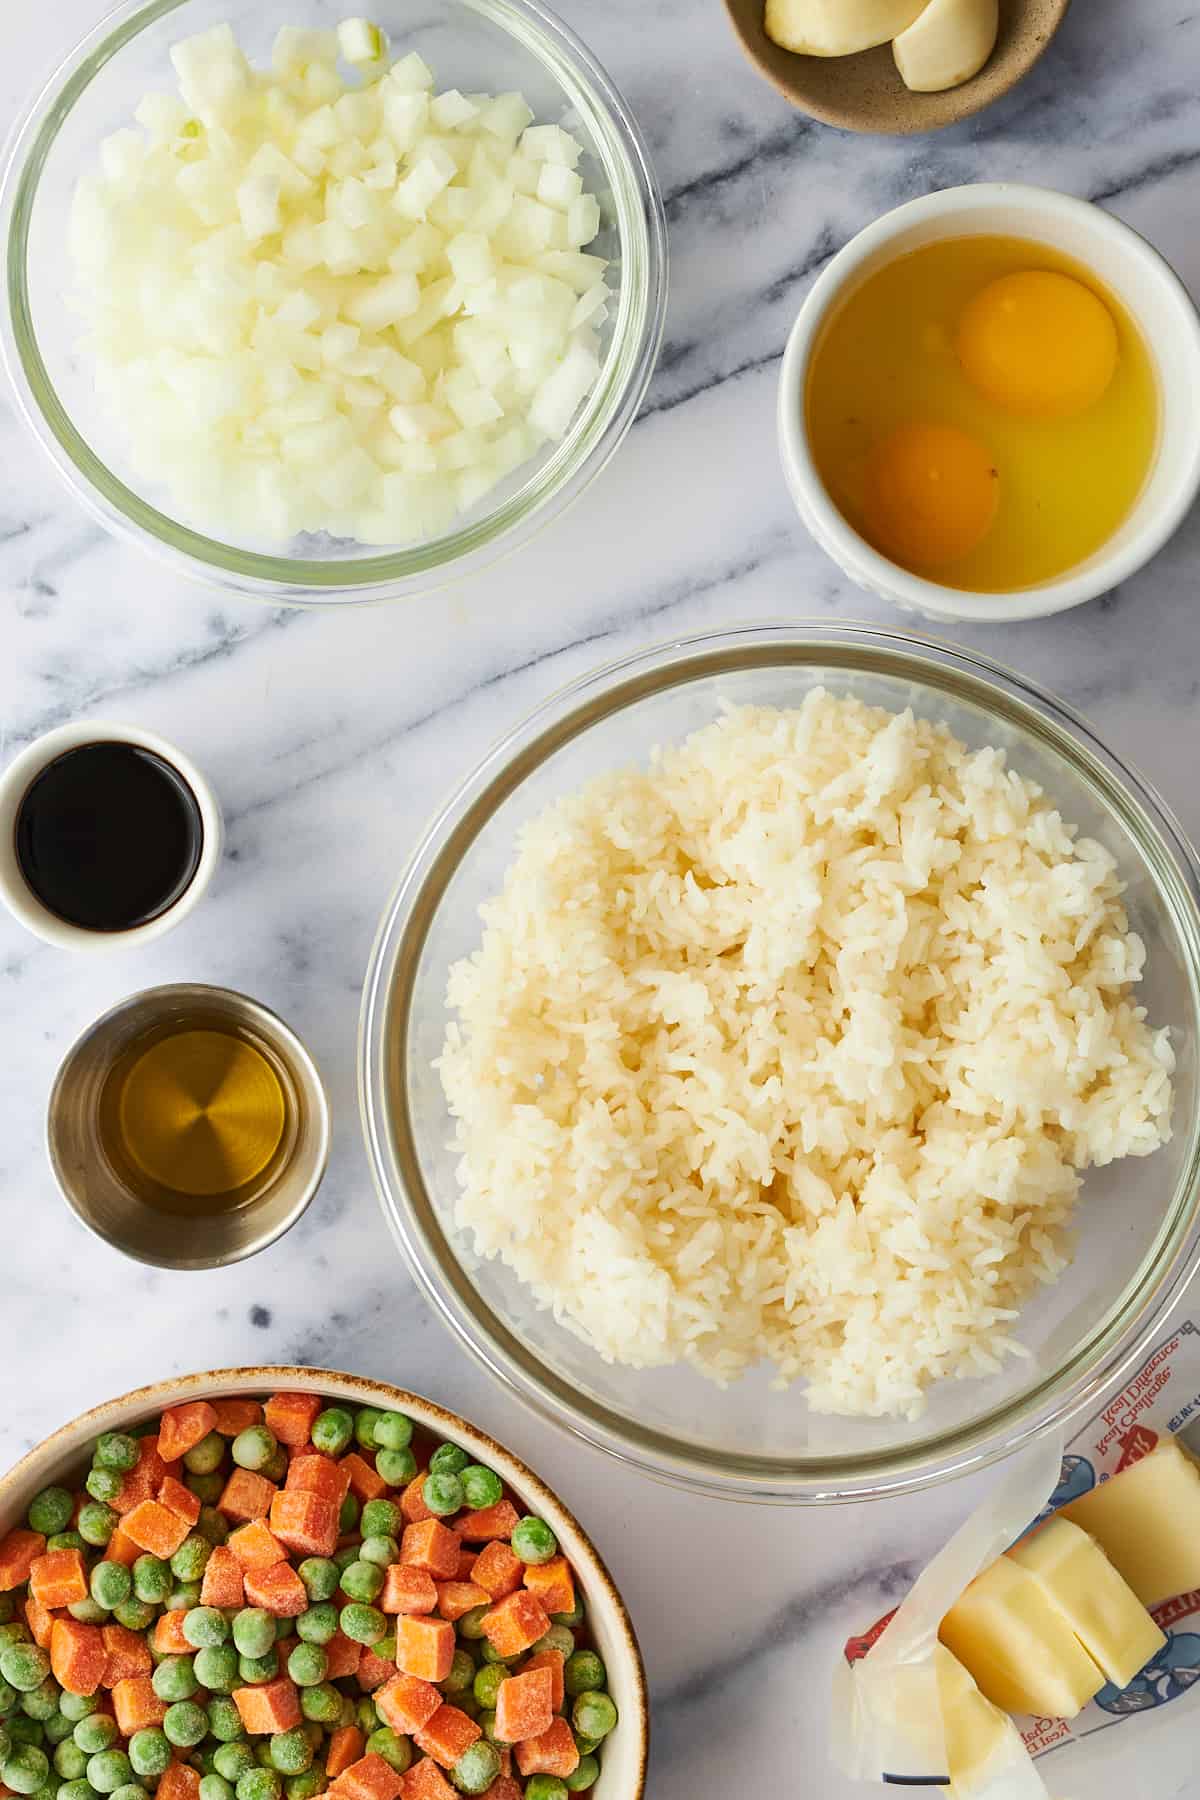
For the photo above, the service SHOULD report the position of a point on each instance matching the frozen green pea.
(76, 1790)
(149, 1751)
(291, 1752)
(332, 1430)
(366, 1715)
(490, 1654)
(128, 1790)
(322, 1704)
(262, 1753)
(362, 1581)
(533, 1541)
(111, 1583)
(471, 1623)
(259, 1784)
(96, 1523)
(206, 1457)
(50, 1511)
(560, 1639)
(254, 1447)
(307, 1665)
(307, 1785)
(442, 1493)
(41, 1702)
(185, 1724)
(24, 1666)
(116, 1450)
(381, 1518)
(481, 1487)
(8, 1699)
(184, 1595)
(212, 1526)
(96, 1733)
(486, 1684)
(397, 1467)
(79, 1706)
(477, 1768)
(88, 1611)
(26, 1769)
(255, 1670)
(205, 1627)
(461, 1675)
(254, 1631)
(365, 1420)
(233, 1760)
(363, 1624)
(224, 1720)
(108, 1770)
(395, 1750)
(24, 1730)
(573, 1619)
(62, 1540)
(545, 1787)
(215, 1787)
(382, 1551)
(320, 1577)
(15, 1631)
(348, 1516)
(344, 1557)
(582, 1672)
(175, 1679)
(103, 1485)
(216, 1667)
(189, 1560)
(319, 1624)
(151, 1580)
(207, 1488)
(134, 1614)
(585, 1775)
(448, 1459)
(57, 1727)
(69, 1761)
(486, 1721)
(393, 1431)
(593, 1715)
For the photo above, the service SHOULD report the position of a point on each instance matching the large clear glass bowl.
(476, 45)
(1138, 1239)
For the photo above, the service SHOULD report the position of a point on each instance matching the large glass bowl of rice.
(778, 1062)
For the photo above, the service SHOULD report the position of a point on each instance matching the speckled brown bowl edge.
(57, 1452)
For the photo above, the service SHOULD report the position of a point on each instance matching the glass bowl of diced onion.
(324, 316)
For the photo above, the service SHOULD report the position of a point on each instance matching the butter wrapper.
(887, 1724)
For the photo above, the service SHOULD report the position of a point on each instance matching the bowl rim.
(853, 554)
(1114, 1342)
(542, 496)
(363, 1390)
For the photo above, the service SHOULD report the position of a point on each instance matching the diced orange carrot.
(407, 1590)
(179, 1499)
(553, 1584)
(424, 1647)
(274, 1706)
(412, 1500)
(128, 1654)
(447, 1735)
(525, 1705)
(181, 1428)
(342, 1656)
(466, 1563)
(406, 1703)
(306, 1523)
(425, 1781)
(136, 1705)
(515, 1623)
(179, 1781)
(433, 1546)
(59, 1578)
(19, 1550)
(168, 1634)
(554, 1753)
(345, 1748)
(365, 1482)
(498, 1569)
(373, 1671)
(222, 1582)
(370, 1778)
(313, 1474)
(145, 1478)
(555, 1662)
(504, 1787)
(246, 1495)
(234, 1416)
(491, 1522)
(121, 1548)
(458, 1597)
(256, 1546)
(290, 1417)
(277, 1590)
(40, 1621)
(77, 1656)
(156, 1528)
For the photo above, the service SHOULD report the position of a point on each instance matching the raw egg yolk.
(931, 495)
(1038, 344)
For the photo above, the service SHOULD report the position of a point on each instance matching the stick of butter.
(1147, 1522)
(979, 1737)
(1102, 1610)
(1018, 1645)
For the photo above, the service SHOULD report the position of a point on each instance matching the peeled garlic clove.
(947, 43)
(837, 27)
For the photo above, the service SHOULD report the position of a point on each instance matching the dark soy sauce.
(109, 836)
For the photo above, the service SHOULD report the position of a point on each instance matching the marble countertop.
(327, 738)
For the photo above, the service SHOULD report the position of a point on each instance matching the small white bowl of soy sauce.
(109, 836)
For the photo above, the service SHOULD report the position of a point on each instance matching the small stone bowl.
(865, 92)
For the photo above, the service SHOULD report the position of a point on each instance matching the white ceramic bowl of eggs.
(1131, 269)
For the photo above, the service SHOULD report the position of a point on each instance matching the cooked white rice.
(791, 1047)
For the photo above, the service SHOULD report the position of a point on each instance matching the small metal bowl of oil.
(189, 1127)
